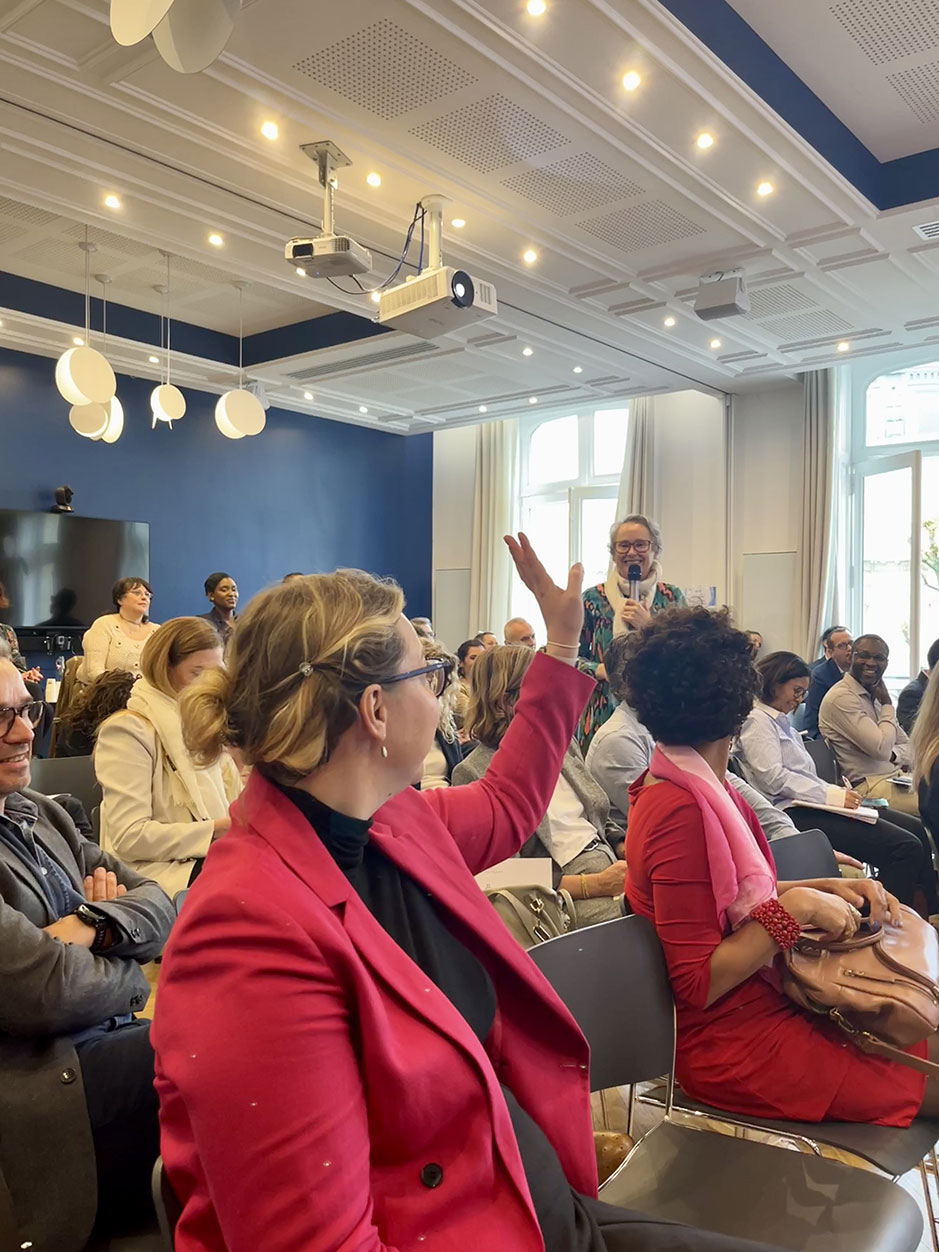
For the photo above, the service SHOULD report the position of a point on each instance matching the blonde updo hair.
(495, 674)
(171, 643)
(303, 653)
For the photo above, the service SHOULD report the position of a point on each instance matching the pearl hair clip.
(306, 669)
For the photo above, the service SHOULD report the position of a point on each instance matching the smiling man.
(76, 1067)
(857, 718)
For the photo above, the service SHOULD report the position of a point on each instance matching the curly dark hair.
(689, 676)
(615, 658)
(103, 696)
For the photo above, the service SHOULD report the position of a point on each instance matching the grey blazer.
(49, 990)
(591, 795)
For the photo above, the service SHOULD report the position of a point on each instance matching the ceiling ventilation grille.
(386, 70)
(779, 299)
(807, 326)
(887, 30)
(366, 360)
(575, 185)
(927, 230)
(642, 226)
(918, 88)
(25, 213)
(490, 133)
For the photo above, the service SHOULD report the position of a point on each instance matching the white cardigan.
(105, 646)
(141, 823)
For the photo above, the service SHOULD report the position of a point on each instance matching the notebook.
(859, 815)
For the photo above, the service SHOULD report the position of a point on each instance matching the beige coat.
(141, 821)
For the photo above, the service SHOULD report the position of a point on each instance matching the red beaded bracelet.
(778, 923)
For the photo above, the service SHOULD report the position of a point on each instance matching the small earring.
(384, 750)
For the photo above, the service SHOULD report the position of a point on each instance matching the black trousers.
(622, 1230)
(896, 843)
(117, 1071)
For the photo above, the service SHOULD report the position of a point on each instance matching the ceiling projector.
(722, 295)
(436, 301)
(328, 255)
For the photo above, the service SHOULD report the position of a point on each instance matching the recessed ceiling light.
(363, 408)
(78, 341)
(705, 140)
(308, 395)
(844, 346)
(111, 201)
(536, 8)
(631, 80)
(376, 297)
(765, 189)
(154, 360)
(483, 409)
(715, 344)
(301, 271)
(532, 399)
(216, 240)
(270, 130)
(669, 322)
(527, 351)
(529, 256)
(458, 223)
(373, 179)
(578, 369)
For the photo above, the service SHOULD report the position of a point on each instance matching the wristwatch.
(99, 922)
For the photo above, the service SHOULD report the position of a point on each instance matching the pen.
(847, 785)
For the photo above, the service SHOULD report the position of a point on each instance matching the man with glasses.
(78, 1115)
(858, 720)
(836, 643)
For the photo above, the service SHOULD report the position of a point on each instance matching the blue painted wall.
(307, 494)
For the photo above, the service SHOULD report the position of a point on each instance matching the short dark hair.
(463, 650)
(779, 668)
(615, 658)
(932, 656)
(832, 630)
(123, 585)
(213, 581)
(861, 638)
(689, 676)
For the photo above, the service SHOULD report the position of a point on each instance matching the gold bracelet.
(584, 893)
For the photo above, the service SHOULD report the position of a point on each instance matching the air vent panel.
(889, 30)
(490, 133)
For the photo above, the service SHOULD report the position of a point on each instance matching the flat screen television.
(58, 568)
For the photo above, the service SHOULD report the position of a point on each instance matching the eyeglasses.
(437, 674)
(799, 693)
(878, 657)
(639, 546)
(31, 713)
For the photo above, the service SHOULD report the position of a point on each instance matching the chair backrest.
(72, 774)
(824, 760)
(806, 855)
(168, 1208)
(613, 978)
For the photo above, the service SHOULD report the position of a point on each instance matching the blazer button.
(135, 933)
(67, 1075)
(432, 1175)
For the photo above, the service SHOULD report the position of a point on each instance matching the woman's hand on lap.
(884, 908)
(561, 608)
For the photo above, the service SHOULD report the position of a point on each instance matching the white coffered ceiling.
(523, 123)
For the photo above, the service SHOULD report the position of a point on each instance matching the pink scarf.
(741, 868)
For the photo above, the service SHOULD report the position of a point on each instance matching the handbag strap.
(536, 926)
(870, 1044)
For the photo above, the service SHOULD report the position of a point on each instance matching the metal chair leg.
(930, 1212)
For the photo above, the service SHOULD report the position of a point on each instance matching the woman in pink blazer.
(352, 1054)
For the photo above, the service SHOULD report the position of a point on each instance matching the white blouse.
(106, 646)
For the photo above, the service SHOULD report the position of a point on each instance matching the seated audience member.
(517, 630)
(7, 633)
(344, 901)
(61, 604)
(222, 593)
(487, 639)
(160, 811)
(622, 748)
(94, 704)
(423, 627)
(910, 698)
(776, 761)
(836, 644)
(78, 1113)
(857, 719)
(446, 751)
(466, 654)
(573, 830)
(756, 642)
(924, 742)
(701, 871)
(116, 640)
(293, 574)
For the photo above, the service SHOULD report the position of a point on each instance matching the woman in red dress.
(701, 871)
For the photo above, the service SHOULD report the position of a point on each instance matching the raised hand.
(561, 608)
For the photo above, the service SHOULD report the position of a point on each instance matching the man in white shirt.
(858, 720)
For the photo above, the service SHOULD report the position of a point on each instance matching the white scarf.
(162, 712)
(617, 592)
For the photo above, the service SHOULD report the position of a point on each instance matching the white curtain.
(637, 481)
(494, 510)
(818, 449)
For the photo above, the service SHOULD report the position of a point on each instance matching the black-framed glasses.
(31, 713)
(639, 546)
(437, 674)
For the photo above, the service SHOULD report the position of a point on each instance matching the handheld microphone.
(633, 579)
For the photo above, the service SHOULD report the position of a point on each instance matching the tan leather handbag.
(533, 914)
(881, 987)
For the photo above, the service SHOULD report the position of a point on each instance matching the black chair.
(613, 978)
(168, 1208)
(71, 775)
(805, 855)
(826, 765)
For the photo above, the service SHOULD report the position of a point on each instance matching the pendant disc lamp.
(82, 375)
(189, 34)
(239, 413)
(114, 409)
(167, 403)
